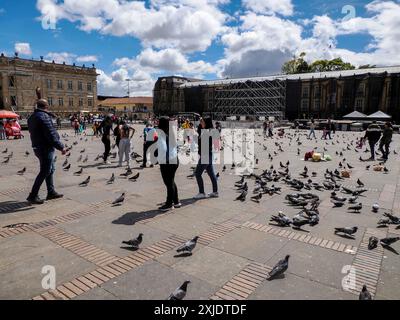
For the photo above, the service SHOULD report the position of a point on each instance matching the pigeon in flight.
(120, 200)
(135, 243)
(188, 246)
(279, 268)
(364, 294)
(180, 292)
(85, 183)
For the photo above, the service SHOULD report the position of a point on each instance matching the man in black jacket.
(45, 140)
(373, 135)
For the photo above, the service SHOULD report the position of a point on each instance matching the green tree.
(296, 65)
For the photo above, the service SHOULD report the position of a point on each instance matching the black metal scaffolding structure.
(250, 98)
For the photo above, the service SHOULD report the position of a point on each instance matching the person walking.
(126, 134)
(265, 128)
(206, 161)
(45, 140)
(329, 129)
(150, 136)
(169, 163)
(105, 128)
(372, 134)
(312, 129)
(271, 129)
(386, 140)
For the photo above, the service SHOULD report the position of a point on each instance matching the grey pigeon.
(372, 243)
(356, 208)
(120, 200)
(279, 268)
(180, 292)
(85, 183)
(112, 179)
(242, 196)
(21, 172)
(134, 242)
(188, 246)
(347, 231)
(79, 172)
(364, 294)
(389, 241)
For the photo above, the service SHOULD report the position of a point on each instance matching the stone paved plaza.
(81, 234)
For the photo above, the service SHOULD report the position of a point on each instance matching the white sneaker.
(200, 196)
(107, 162)
(214, 195)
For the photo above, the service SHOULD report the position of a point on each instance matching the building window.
(304, 105)
(80, 86)
(59, 84)
(89, 86)
(11, 81)
(359, 104)
(13, 101)
(50, 101)
(70, 85)
(71, 102)
(49, 84)
(90, 102)
(61, 102)
(361, 89)
(305, 92)
(317, 91)
(81, 102)
(317, 104)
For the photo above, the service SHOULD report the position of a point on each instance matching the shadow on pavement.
(14, 206)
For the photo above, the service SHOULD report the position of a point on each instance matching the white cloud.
(60, 57)
(283, 7)
(87, 59)
(23, 48)
(190, 25)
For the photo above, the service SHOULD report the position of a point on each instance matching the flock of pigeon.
(306, 186)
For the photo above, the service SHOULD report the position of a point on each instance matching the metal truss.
(250, 98)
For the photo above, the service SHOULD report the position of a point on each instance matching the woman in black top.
(106, 127)
(169, 163)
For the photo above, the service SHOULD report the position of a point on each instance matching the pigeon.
(127, 173)
(282, 220)
(242, 196)
(360, 183)
(5, 151)
(67, 167)
(27, 153)
(180, 292)
(364, 294)
(21, 172)
(188, 246)
(356, 208)
(112, 179)
(79, 172)
(7, 160)
(389, 241)
(372, 243)
(257, 198)
(298, 223)
(279, 268)
(85, 183)
(135, 177)
(135, 242)
(347, 231)
(120, 200)
(337, 204)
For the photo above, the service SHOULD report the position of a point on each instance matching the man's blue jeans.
(210, 171)
(47, 169)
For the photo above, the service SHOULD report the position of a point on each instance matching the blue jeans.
(47, 169)
(312, 132)
(210, 171)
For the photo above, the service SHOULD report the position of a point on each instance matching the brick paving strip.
(77, 246)
(367, 263)
(96, 278)
(241, 286)
(302, 237)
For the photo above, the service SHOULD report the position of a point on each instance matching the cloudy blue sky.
(206, 39)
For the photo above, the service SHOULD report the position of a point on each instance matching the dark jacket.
(373, 132)
(387, 135)
(43, 133)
